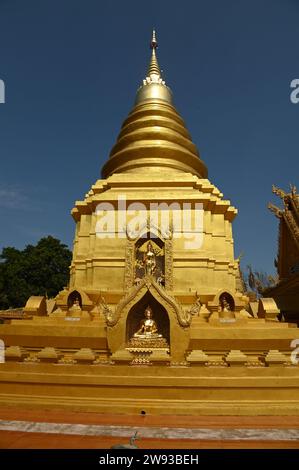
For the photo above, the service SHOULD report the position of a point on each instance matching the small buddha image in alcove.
(226, 306)
(150, 260)
(74, 303)
(147, 328)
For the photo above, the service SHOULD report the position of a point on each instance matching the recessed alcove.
(136, 315)
(72, 297)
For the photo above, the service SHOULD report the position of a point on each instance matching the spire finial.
(153, 86)
(154, 68)
(154, 43)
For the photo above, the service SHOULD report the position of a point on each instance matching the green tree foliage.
(42, 269)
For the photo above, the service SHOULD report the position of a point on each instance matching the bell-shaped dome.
(154, 136)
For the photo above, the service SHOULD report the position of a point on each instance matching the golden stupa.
(155, 317)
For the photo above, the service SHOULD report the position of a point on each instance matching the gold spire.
(154, 136)
(154, 68)
(153, 86)
(154, 42)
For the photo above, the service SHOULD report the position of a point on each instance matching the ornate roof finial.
(279, 192)
(154, 43)
(293, 189)
(153, 86)
(154, 68)
(275, 210)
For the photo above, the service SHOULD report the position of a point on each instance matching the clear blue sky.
(71, 70)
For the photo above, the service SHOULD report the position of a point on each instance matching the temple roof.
(290, 212)
(288, 250)
(154, 136)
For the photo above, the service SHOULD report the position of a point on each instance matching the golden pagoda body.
(154, 317)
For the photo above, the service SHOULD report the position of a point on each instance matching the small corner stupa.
(155, 316)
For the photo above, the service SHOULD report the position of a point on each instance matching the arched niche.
(73, 296)
(226, 301)
(143, 294)
(67, 297)
(165, 263)
(136, 315)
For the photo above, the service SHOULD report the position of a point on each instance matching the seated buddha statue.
(76, 304)
(225, 306)
(148, 327)
(226, 309)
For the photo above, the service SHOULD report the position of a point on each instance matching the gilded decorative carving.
(130, 258)
(147, 343)
(195, 308)
(183, 318)
(147, 283)
(169, 264)
(291, 209)
(141, 358)
(149, 259)
(292, 225)
(275, 210)
(107, 312)
(289, 222)
(129, 264)
(279, 192)
(32, 358)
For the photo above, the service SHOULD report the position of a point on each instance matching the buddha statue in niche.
(148, 327)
